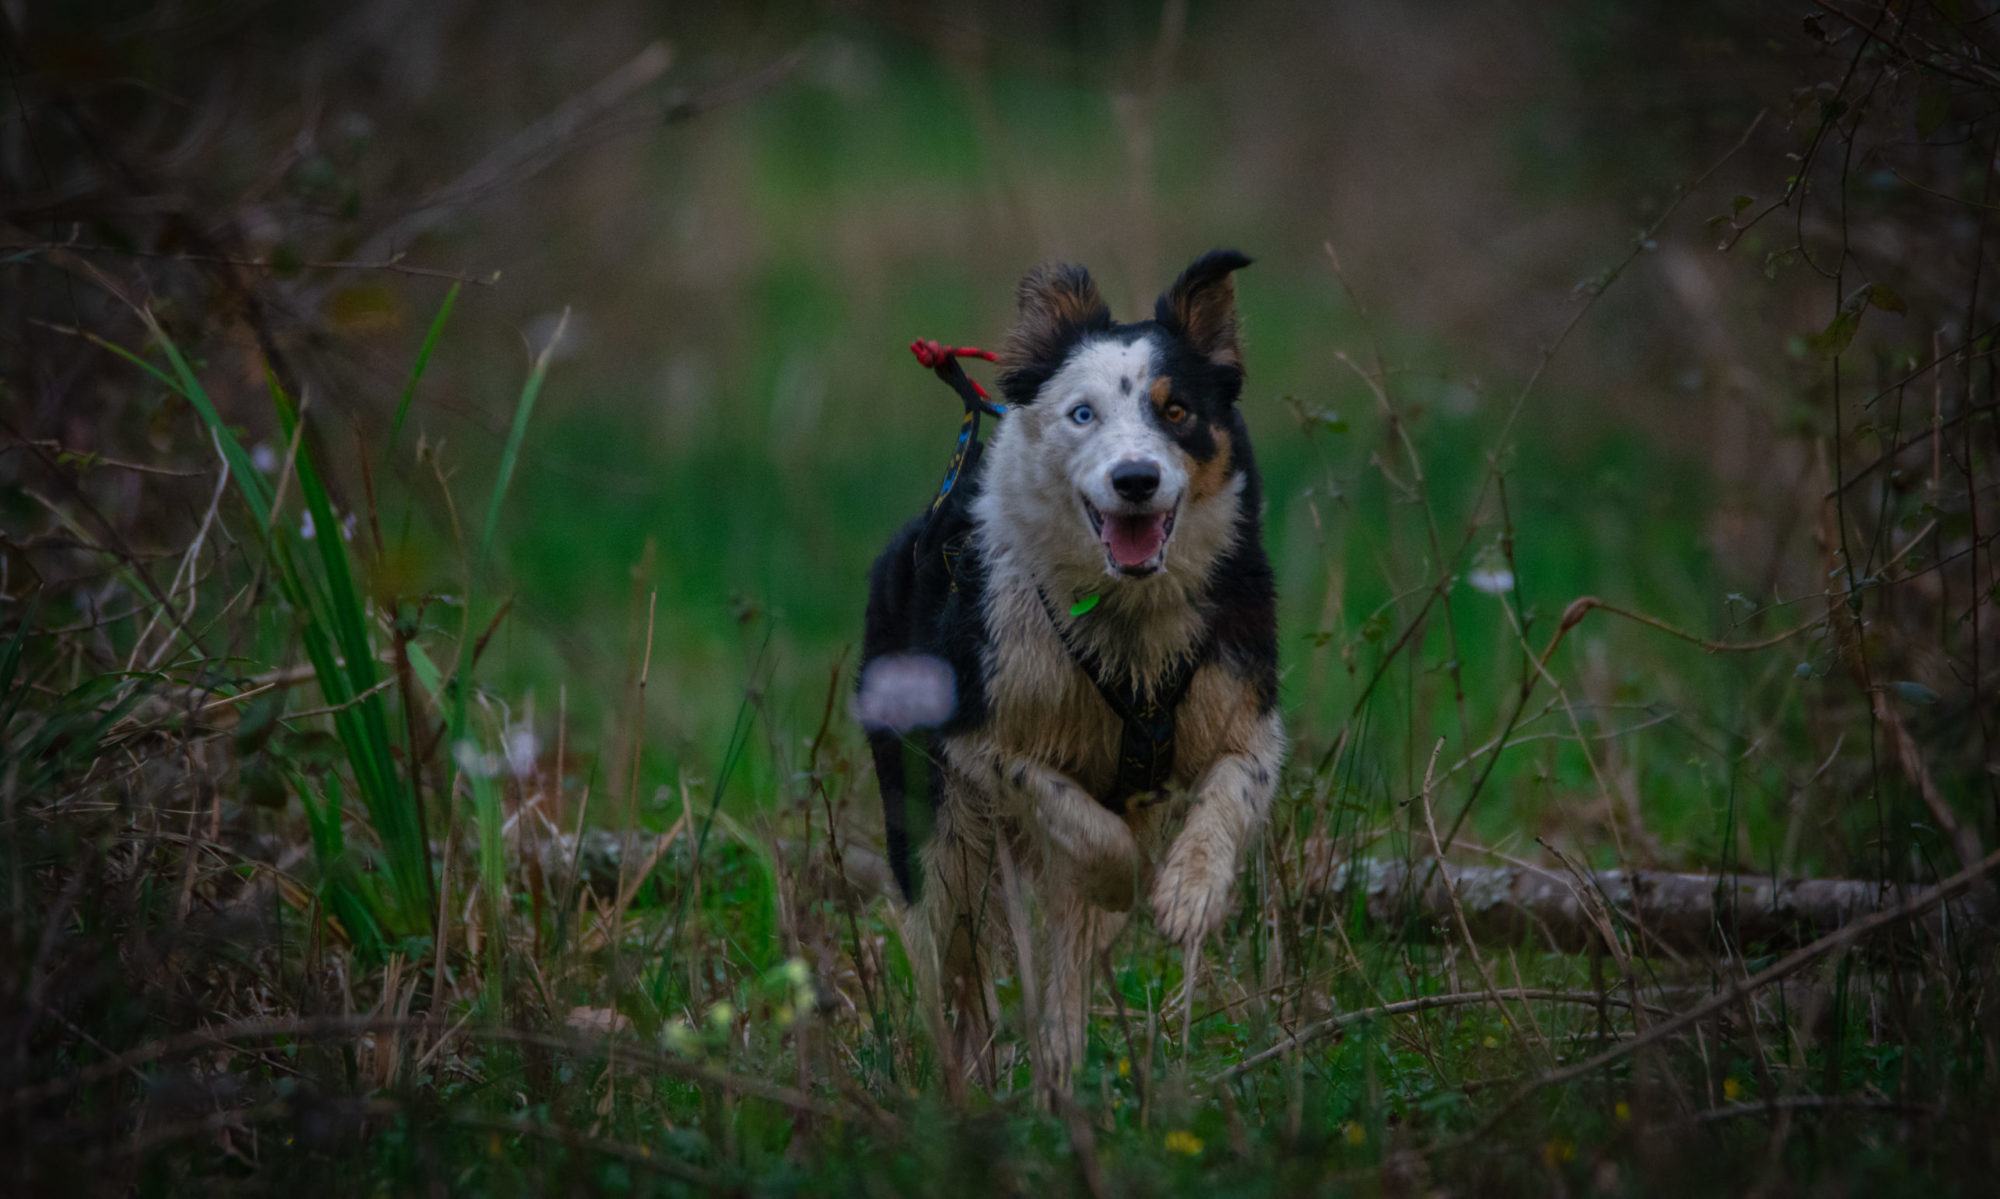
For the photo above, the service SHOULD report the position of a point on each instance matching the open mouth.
(1135, 543)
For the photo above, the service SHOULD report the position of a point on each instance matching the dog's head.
(1122, 444)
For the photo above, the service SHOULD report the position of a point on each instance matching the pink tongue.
(1133, 540)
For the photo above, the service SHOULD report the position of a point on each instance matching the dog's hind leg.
(1076, 932)
(959, 922)
(1191, 892)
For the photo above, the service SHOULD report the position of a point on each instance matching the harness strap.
(1146, 743)
(944, 360)
(968, 432)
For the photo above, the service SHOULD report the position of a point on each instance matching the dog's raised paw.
(1191, 893)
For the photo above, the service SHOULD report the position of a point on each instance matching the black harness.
(1146, 742)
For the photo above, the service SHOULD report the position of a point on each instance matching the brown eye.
(1174, 413)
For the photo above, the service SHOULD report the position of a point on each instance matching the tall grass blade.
(343, 890)
(417, 371)
(522, 411)
(361, 722)
(10, 662)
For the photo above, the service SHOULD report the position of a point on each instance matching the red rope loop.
(934, 355)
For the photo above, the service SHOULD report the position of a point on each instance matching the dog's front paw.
(1101, 854)
(1191, 894)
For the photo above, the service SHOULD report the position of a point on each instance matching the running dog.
(1082, 626)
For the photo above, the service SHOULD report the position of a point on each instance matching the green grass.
(698, 963)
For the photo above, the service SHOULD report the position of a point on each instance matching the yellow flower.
(1356, 1135)
(1731, 1089)
(1623, 1111)
(1491, 1042)
(1181, 1140)
(1124, 1067)
(1558, 1150)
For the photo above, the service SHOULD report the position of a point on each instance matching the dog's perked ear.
(1201, 306)
(1059, 301)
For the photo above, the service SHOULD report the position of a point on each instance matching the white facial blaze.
(1115, 379)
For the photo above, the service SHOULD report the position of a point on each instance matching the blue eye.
(1082, 414)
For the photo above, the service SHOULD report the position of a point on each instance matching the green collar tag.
(1083, 605)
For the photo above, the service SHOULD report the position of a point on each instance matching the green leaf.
(1084, 605)
(1740, 203)
(1831, 341)
(1882, 296)
(1839, 333)
(425, 670)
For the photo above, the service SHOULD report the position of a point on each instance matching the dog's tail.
(903, 772)
(902, 695)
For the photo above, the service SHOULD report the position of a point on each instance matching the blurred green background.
(739, 397)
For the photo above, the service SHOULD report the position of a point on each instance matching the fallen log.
(1651, 910)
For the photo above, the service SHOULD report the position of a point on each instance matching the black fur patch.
(926, 596)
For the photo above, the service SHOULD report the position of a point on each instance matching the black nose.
(1136, 480)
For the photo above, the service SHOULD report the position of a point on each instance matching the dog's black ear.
(1201, 306)
(1058, 301)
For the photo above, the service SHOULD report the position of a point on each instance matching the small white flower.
(306, 530)
(522, 749)
(263, 457)
(347, 524)
(900, 692)
(1491, 572)
(473, 762)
